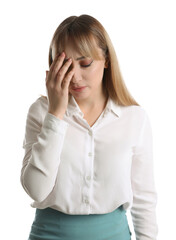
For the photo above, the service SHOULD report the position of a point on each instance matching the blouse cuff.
(54, 123)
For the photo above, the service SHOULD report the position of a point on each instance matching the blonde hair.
(83, 32)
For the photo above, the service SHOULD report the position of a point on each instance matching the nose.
(77, 75)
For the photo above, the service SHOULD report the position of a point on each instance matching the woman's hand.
(57, 84)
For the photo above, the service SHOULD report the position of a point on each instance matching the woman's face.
(88, 74)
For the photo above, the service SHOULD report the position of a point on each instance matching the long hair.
(84, 31)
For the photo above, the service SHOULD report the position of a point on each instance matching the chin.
(76, 96)
(79, 95)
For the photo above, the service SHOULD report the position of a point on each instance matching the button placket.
(86, 200)
(87, 178)
(88, 182)
(90, 154)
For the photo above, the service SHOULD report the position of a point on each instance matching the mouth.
(78, 89)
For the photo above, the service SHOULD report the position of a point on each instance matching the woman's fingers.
(59, 76)
(56, 59)
(56, 64)
(46, 74)
(61, 73)
(58, 70)
(66, 82)
(57, 83)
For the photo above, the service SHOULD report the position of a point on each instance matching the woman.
(88, 144)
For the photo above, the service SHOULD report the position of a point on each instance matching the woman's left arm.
(143, 210)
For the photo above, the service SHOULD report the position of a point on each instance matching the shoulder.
(135, 115)
(41, 102)
(134, 111)
(38, 108)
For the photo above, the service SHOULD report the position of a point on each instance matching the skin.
(85, 72)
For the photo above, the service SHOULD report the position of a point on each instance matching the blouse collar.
(74, 109)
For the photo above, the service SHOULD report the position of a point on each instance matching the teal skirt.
(50, 224)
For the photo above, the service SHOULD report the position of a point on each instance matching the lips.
(77, 87)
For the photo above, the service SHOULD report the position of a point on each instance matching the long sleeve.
(42, 143)
(143, 186)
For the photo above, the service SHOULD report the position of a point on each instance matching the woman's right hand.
(57, 84)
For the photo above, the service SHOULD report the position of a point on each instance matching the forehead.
(74, 51)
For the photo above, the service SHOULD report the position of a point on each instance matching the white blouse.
(78, 169)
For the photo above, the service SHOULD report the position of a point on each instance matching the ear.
(106, 63)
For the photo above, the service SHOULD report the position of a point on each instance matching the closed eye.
(86, 65)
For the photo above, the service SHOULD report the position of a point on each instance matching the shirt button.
(86, 201)
(88, 177)
(89, 154)
(90, 133)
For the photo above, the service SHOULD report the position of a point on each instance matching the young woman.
(88, 144)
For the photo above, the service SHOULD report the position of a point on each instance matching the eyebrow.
(77, 58)
(80, 58)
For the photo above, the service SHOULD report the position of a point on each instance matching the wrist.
(58, 115)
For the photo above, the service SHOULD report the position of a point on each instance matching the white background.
(143, 34)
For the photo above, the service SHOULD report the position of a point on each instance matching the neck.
(95, 102)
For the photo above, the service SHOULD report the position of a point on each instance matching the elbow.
(34, 186)
(36, 193)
